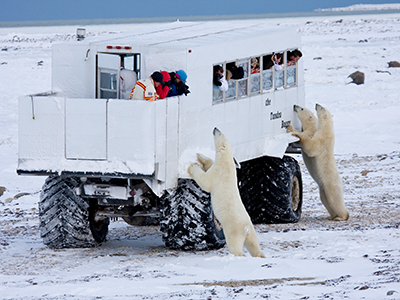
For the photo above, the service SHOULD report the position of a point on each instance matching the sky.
(43, 10)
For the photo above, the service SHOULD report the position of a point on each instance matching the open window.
(279, 69)
(255, 75)
(291, 70)
(108, 66)
(108, 73)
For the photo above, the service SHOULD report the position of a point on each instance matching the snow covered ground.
(313, 259)
(364, 7)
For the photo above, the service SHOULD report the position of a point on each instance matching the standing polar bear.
(318, 145)
(309, 124)
(219, 179)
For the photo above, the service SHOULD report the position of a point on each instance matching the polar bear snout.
(318, 107)
(297, 108)
(216, 131)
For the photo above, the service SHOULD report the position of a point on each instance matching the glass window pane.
(267, 79)
(242, 87)
(129, 63)
(291, 75)
(108, 80)
(108, 94)
(279, 78)
(255, 83)
(217, 93)
(231, 93)
(245, 66)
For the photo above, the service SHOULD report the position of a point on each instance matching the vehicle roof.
(191, 34)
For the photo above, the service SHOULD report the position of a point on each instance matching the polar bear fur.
(321, 164)
(219, 179)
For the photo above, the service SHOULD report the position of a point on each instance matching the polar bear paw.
(297, 134)
(192, 167)
(204, 161)
(289, 129)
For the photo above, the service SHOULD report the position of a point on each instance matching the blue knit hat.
(182, 75)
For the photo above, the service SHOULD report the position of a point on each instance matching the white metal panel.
(160, 138)
(172, 141)
(41, 128)
(256, 112)
(108, 61)
(156, 59)
(131, 134)
(85, 129)
(73, 70)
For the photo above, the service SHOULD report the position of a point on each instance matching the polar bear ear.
(221, 145)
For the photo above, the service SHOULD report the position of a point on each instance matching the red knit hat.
(166, 76)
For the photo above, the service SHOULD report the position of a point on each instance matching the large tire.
(188, 220)
(67, 220)
(271, 189)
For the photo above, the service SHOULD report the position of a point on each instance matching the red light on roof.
(190, 51)
(109, 47)
(118, 47)
(127, 48)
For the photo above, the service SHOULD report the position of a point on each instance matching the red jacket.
(162, 91)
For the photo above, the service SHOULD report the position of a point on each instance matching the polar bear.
(219, 179)
(319, 148)
(309, 124)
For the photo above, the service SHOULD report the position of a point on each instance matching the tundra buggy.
(107, 157)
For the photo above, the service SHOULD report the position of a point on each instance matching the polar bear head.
(323, 113)
(309, 121)
(222, 145)
(324, 117)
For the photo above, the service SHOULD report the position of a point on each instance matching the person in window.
(163, 89)
(178, 84)
(145, 89)
(274, 60)
(219, 79)
(293, 57)
(127, 80)
(237, 72)
(255, 66)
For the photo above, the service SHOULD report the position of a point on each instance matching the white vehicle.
(109, 157)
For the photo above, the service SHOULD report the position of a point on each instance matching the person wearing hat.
(145, 89)
(127, 80)
(163, 89)
(178, 84)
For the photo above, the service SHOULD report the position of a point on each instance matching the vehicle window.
(255, 80)
(242, 83)
(132, 62)
(279, 69)
(231, 71)
(291, 75)
(108, 84)
(108, 66)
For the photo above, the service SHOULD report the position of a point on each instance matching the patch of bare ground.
(264, 282)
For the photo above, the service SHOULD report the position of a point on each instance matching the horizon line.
(40, 23)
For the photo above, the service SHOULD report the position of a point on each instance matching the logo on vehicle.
(276, 115)
(285, 124)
